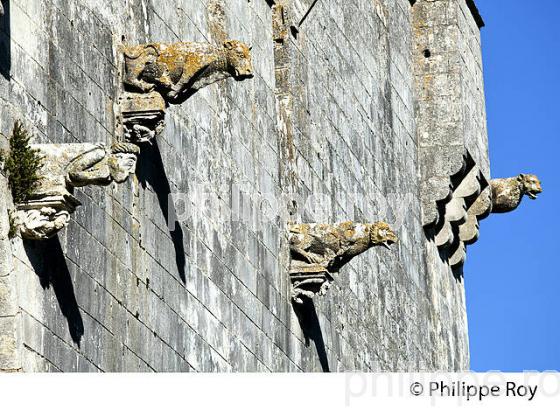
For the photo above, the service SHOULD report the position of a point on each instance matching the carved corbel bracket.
(309, 281)
(468, 231)
(43, 218)
(143, 116)
(318, 251)
(479, 210)
(64, 167)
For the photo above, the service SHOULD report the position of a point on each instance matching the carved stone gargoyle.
(499, 196)
(175, 71)
(507, 193)
(318, 251)
(64, 167)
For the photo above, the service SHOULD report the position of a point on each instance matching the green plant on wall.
(21, 164)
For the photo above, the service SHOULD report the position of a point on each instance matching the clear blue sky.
(512, 276)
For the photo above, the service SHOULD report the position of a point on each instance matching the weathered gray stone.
(8, 305)
(325, 131)
(9, 347)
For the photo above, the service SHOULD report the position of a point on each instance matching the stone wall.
(324, 132)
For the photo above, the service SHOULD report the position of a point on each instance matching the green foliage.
(21, 165)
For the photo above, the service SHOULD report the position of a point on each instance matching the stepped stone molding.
(439, 165)
(480, 209)
(318, 251)
(174, 71)
(65, 167)
(456, 224)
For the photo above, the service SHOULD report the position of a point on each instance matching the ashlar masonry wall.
(185, 266)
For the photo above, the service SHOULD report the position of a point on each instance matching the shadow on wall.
(309, 322)
(150, 169)
(444, 254)
(5, 56)
(49, 264)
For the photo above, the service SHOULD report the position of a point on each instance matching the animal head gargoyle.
(530, 185)
(381, 235)
(239, 61)
(507, 193)
(319, 251)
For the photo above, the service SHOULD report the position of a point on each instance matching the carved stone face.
(381, 234)
(122, 165)
(239, 59)
(39, 224)
(531, 185)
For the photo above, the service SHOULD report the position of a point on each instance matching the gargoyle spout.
(177, 70)
(318, 251)
(507, 193)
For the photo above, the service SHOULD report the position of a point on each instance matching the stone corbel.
(441, 166)
(456, 224)
(479, 210)
(143, 116)
(318, 251)
(63, 168)
(468, 186)
(468, 230)
(159, 74)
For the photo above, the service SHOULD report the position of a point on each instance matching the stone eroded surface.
(177, 70)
